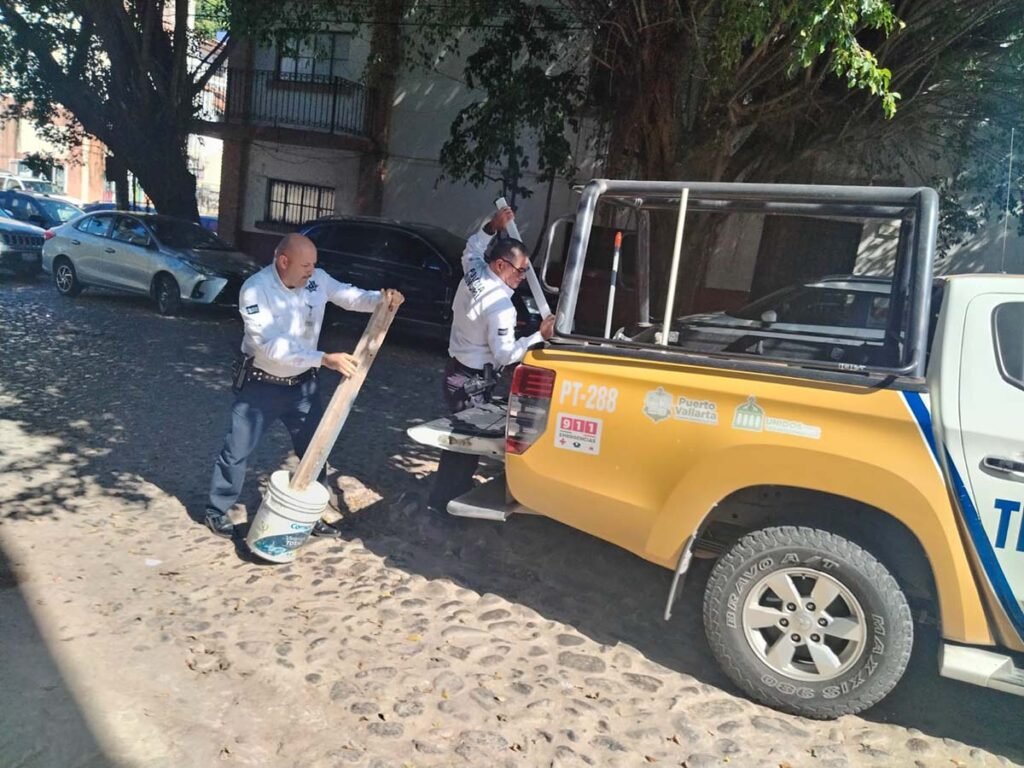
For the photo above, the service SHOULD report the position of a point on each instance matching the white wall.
(732, 264)
(307, 165)
(424, 107)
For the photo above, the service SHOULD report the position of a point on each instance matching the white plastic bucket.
(285, 519)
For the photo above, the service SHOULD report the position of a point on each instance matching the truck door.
(992, 433)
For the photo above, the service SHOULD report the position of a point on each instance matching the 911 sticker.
(578, 433)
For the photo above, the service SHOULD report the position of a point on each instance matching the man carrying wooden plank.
(282, 307)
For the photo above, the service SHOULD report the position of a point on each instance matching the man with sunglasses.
(482, 339)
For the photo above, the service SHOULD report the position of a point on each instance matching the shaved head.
(295, 259)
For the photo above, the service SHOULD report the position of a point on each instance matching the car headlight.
(202, 269)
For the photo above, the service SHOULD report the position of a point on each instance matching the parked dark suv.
(422, 261)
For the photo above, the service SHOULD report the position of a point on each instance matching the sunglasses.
(520, 270)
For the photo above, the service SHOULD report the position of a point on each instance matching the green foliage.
(809, 30)
(530, 98)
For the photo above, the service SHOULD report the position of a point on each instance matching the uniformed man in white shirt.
(282, 307)
(482, 339)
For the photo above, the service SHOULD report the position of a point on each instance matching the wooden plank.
(338, 408)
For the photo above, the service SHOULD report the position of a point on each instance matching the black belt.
(257, 374)
(470, 371)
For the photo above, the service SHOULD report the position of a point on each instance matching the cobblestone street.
(130, 636)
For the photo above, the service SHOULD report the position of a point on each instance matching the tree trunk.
(381, 78)
(170, 185)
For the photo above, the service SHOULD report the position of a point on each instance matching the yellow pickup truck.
(847, 451)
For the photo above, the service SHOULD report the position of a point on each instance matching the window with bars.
(314, 58)
(289, 202)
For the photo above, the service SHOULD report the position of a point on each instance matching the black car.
(38, 209)
(422, 261)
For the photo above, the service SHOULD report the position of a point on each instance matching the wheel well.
(156, 277)
(874, 529)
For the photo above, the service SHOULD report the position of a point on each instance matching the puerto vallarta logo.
(658, 405)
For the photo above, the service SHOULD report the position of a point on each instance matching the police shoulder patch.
(252, 309)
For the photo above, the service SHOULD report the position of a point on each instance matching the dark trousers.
(256, 407)
(455, 471)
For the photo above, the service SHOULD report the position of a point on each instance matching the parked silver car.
(171, 260)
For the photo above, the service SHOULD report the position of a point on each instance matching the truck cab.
(843, 479)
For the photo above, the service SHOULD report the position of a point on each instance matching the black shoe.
(220, 525)
(324, 530)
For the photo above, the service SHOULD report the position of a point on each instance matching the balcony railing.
(330, 105)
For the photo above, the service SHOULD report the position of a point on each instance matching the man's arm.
(477, 243)
(501, 337)
(268, 339)
(348, 296)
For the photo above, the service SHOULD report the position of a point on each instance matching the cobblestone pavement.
(130, 636)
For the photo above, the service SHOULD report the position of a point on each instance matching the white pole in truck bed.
(670, 300)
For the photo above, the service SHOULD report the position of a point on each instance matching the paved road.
(416, 640)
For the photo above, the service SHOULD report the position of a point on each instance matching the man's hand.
(342, 362)
(547, 327)
(393, 298)
(499, 221)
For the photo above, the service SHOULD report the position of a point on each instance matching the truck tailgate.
(479, 431)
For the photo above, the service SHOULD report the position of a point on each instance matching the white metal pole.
(677, 247)
(611, 285)
(531, 277)
(1006, 212)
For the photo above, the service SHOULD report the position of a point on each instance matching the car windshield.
(176, 233)
(40, 185)
(58, 210)
(817, 305)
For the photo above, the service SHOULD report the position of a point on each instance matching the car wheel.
(807, 622)
(167, 295)
(65, 278)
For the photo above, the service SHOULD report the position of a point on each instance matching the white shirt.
(282, 324)
(483, 316)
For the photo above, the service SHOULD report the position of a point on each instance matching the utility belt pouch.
(240, 371)
(477, 384)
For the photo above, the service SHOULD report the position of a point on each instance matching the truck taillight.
(528, 406)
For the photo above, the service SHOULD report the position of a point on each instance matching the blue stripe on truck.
(982, 545)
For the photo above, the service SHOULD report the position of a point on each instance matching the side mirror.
(769, 316)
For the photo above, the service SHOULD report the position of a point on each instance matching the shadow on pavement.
(614, 597)
(113, 403)
(41, 722)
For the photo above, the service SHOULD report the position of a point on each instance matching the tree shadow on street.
(104, 403)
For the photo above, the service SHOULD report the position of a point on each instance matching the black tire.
(844, 675)
(167, 295)
(65, 278)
